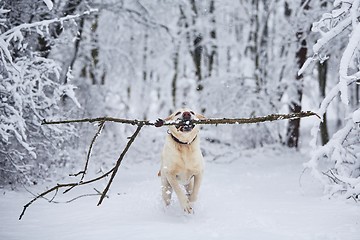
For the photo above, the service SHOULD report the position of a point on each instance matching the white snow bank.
(253, 197)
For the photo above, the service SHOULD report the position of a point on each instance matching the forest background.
(143, 59)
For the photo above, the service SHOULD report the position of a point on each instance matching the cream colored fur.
(182, 164)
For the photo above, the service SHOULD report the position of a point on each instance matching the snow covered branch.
(15, 33)
(336, 164)
(29, 89)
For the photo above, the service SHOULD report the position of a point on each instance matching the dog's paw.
(187, 207)
(159, 123)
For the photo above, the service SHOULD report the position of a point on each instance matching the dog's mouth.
(185, 126)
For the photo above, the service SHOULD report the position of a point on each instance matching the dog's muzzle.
(185, 126)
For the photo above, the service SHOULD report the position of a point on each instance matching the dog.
(182, 162)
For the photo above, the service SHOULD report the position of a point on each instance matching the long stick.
(215, 121)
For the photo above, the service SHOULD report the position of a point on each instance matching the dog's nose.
(186, 115)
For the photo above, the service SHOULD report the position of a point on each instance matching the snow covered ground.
(256, 196)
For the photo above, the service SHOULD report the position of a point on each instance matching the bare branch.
(99, 119)
(58, 186)
(83, 172)
(72, 185)
(215, 121)
(268, 118)
(11, 33)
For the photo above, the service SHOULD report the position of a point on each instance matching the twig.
(83, 172)
(58, 186)
(118, 162)
(81, 196)
(68, 201)
(330, 174)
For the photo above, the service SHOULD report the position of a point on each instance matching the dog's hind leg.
(183, 199)
(190, 187)
(166, 190)
(197, 181)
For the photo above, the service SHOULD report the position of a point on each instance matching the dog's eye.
(192, 112)
(178, 113)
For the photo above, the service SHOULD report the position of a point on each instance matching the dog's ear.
(200, 116)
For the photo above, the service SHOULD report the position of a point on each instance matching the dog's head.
(185, 131)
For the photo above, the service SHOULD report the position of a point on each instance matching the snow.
(326, 37)
(345, 62)
(49, 4)
(356, 116)
(255, 196)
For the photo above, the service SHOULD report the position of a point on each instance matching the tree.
(30, 90)
(336, 164)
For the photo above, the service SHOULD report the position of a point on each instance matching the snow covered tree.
(29, 91)
(337, 164)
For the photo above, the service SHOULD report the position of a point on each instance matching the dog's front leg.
(184, 201)
(197, 182)
(166, 189)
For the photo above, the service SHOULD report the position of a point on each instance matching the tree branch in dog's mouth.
(185, 125)
(210, 121)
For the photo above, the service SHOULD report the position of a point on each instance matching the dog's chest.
(188, 163)
(182, 160)
(184, 178)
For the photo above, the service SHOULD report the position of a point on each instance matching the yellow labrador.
(181, 159)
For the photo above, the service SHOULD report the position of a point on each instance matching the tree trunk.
(194, 39)
(322, 69)
(213, 46)
(94, 52)
(252, 50)
(293, 129)
(144, 59)
(175, 76)
(76, 49)
(196, 53)
(93, 68)
(197, 59)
